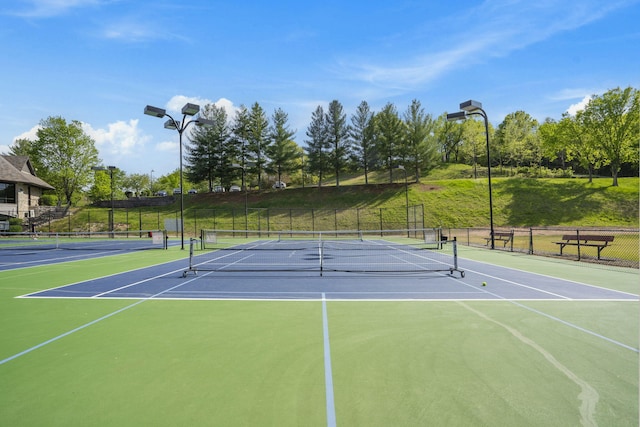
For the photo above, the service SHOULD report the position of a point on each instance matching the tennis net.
(111, 240)
(391, 251)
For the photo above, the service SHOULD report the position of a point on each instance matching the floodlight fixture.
(458, 115)
(154, 111)
(204, 122)
(471, 106)
(190, 109)
(170, 124)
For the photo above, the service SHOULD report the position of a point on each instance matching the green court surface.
(125, 362)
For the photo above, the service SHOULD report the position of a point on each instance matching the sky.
(101, 61)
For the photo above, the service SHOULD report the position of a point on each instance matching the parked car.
(193, 191)
(177, 191)
(218, 189)
(279, 184)
(161, 193)
(234, 188)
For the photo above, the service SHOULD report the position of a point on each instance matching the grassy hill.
(463, 202)
(450, 195)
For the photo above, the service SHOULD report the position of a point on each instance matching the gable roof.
(18, 169)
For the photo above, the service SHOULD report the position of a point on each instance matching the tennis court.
(283, 332)
(20, 250)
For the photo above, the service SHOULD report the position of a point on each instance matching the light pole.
(470, 108)
(406, 195)
(187, 110)
(110, 169)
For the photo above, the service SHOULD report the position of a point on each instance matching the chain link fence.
(607, 246)
(613, 246)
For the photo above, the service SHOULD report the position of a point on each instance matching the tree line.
(255, 149)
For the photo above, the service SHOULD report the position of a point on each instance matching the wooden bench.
(502, 236)
(596, 241)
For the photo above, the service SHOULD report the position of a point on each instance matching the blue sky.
(101, 61)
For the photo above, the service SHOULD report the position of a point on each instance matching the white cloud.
(119, 139)
(31, 134)
(574, 108)
(176, 103)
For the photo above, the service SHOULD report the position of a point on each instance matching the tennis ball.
(484, 283)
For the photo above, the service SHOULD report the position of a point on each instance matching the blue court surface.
(168, 281)
(33, 256)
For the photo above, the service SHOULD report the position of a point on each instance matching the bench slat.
(588, 237)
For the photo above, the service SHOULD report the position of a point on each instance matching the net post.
(165, 239)
(455, 252)
(321, 254)
(190, 269)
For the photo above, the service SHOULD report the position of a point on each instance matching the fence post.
(195, 222)
(530, 241)
(578, 240)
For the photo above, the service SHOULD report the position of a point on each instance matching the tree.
(282, 151)
(240, 138)
(317, 144)
(66, 154)
(21, 147)
(474, 143)
(361, 133)
(613, 120)
(420, 149)
(518, 137)
(137, 183)
(258, 140)
(337, 132)
(107, 184)
(209, 154)
(450, 135)
(390, 131)
(169, 181)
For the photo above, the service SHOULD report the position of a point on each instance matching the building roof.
(18, 169)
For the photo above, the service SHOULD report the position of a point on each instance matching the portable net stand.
(379, 252)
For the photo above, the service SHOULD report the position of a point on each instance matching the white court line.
(548, 276)
(328, 374)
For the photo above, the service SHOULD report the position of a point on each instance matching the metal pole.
(486, 127)
(180, 130)
(406, 198)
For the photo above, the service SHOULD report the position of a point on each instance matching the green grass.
(167, 363)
